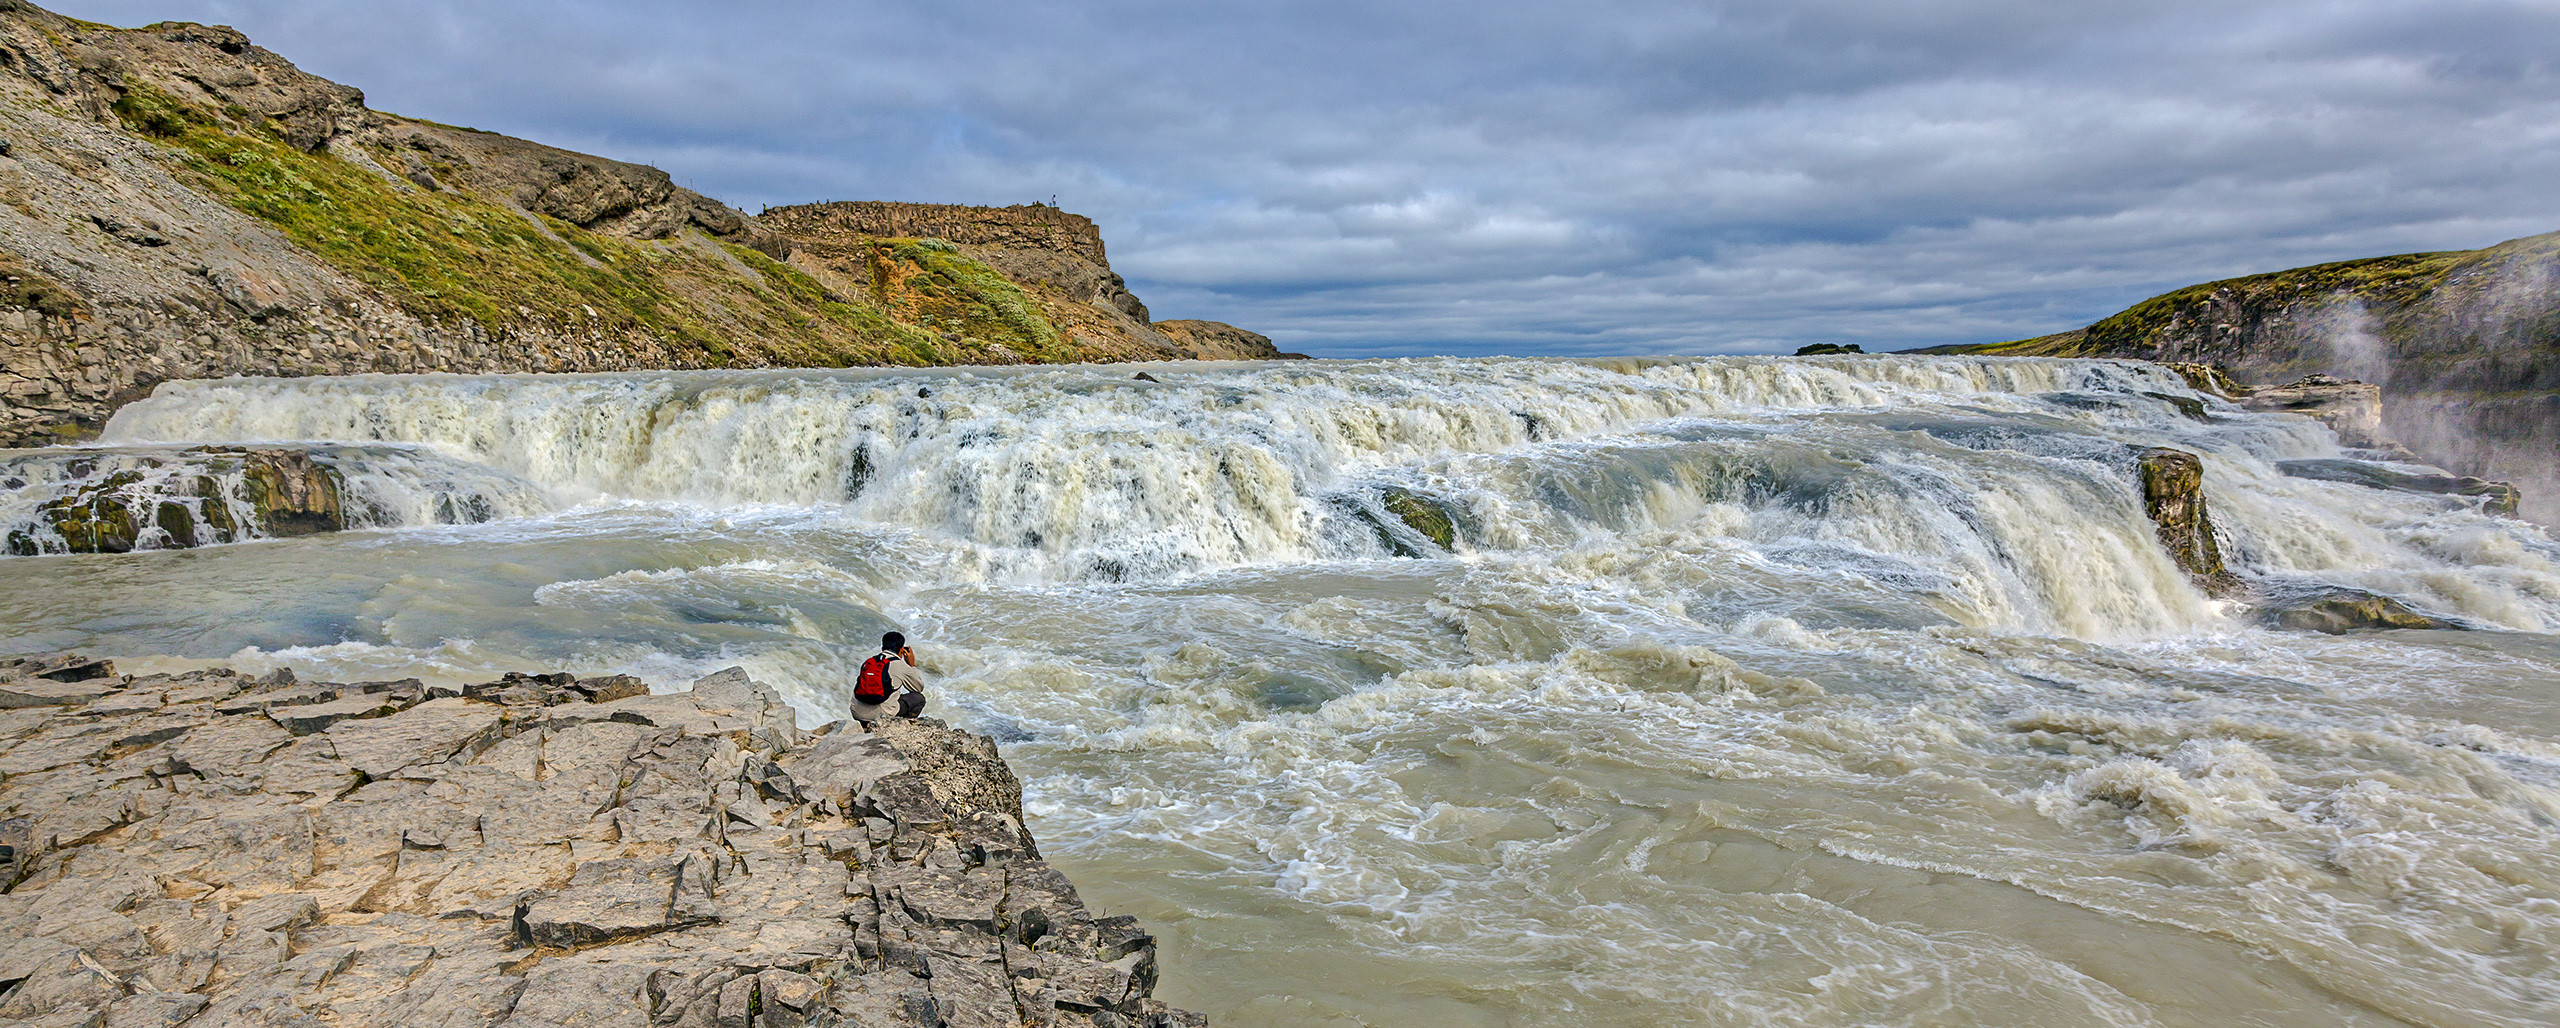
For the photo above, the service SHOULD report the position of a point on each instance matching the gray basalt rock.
(2494, 497)
(2351, 409)
(526, 857)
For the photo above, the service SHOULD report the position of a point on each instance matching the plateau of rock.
(207, 848)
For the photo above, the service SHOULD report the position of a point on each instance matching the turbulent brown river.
(1748, 691)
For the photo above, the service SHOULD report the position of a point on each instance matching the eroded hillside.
(177, 202)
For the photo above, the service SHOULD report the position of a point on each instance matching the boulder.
(2173, 498)
(62, 667)
(611, 688)
(1408, 522)
(2337, 611)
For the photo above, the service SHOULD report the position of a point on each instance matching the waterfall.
(2003, 482)
(1548, 677)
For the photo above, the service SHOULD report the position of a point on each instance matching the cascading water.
(145, 498)
(1721, 691)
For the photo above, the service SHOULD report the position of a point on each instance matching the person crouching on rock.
(890, 671)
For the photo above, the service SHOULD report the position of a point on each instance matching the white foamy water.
(1747, 691)
(179, 498)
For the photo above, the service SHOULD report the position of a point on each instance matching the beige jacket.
(903, 677)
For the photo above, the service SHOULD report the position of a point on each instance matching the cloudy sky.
(1509, 176)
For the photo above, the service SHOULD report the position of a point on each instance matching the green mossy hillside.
(2395, 281)
(929, 282)
(450, 255)
(2397, 288)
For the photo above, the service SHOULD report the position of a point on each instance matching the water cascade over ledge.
(1851, 690)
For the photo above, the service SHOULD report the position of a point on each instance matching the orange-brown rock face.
(1057, 258)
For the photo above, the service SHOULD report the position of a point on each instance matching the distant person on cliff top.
(890, 671)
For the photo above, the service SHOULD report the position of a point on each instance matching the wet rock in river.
(2206, 378)
(2173, 497)
(2353, 410)
(195, 497)
(1422, 513)
(287, 492)
(2338, 610)
(2495, 497)
(1407, 522)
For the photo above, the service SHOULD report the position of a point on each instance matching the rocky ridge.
(177, 202)
(208, 848)
(885, 252)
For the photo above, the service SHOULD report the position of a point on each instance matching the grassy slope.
(2396, 282)
(451, 256)
(929, 282)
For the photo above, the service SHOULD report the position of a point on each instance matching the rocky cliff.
(1031, 277)
(2465, 346)
(210, 849)
(177, 202)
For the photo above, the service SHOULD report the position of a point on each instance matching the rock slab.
(533, 852)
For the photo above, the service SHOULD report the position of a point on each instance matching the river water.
(1820, 691)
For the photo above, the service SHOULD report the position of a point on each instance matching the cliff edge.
(177, 202)
(207, 848)
(2464, 344)
(916, 260)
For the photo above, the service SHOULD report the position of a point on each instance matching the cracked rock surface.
(213, 849)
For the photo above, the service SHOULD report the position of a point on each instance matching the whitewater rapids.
(1835, 691)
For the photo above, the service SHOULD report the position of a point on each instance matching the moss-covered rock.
(288, 493)
(1422, 513)
(99, 518)
(2173, 497)
(1417, 517)
(2337, 611)
(284, 492)
(2187, 406)
(2205, 378)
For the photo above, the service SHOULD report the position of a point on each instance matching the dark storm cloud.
(1361, 178)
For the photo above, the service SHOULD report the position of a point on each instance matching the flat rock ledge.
(212, 849)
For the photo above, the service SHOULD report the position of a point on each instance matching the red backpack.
(873, 684)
